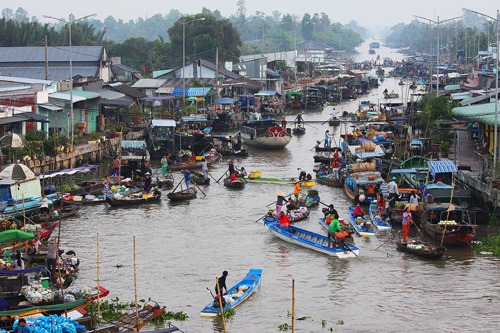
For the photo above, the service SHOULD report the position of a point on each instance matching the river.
(182, 247)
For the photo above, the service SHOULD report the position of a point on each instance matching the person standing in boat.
(231, 166)
(406, 223)
(187, 178)
(392, 189)
(296, 190)
(279, 202)
(116, 167)
(204, 168)
(222, 285)
(334, 114)
(106, 183)
(44, 206)
(380, 204)
(422, 189)
(299, 119)
(327, 139)
(283, 122)
(147, 182)
(164, 166)
(414, 198)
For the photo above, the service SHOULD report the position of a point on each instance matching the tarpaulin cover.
(132, 144)
(63, 172)
(441, 167)
(22, 271)
(13, 235)
(225, 100)
(416, 143)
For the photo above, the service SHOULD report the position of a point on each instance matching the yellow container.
(147, 195)
(199, 158)
(255, 174)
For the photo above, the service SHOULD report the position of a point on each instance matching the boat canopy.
(416, 143)
(64, 172)
(267, 93)
(441, 167)
(163, 123)
(22, 271)
(369, 154)
(408, 171)
(225, 101)
(133, 144)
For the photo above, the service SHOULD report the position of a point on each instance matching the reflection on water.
(182, 247)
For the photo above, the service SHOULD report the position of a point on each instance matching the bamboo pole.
(135, 287)
(220, 303)
(449, 208)
(59, 267)
(293, 305)
(24, 215)
(120, 165)
(98, 286)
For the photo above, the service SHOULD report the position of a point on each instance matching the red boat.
(449, 225)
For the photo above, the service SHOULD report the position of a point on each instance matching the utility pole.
(216, 72)
(46, 59)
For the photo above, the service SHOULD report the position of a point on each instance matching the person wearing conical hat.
(279, 202)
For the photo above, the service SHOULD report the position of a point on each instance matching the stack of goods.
(362, 167)
(417, 246)
(36, 293)
(51, 324)
(31, 227)
(298, 214)
(368, 146)
(235, 294)
(118, 189)
(448, 222)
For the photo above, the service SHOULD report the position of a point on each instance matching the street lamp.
(438, 44)
(69, 22)
(495, 153)
(184, 56)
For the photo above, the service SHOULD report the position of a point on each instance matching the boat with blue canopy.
(364, 228)
(309, 239)
(237, 294)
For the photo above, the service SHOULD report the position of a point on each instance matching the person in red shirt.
(358, 211)
(233, 177)
(284, 220)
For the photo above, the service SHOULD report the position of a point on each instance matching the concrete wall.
(487, 196)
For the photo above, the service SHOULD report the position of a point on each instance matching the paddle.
(177, 186)
(211, 176)
(346, 247)
(197, 186)
(222, 176)
(390, 238)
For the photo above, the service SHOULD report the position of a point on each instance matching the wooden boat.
(237, 294)
(299, 130)
(451, 228)
(330, 178)
(344, 226)
(195, 164)
(422, 249)
(309, 239)
(368, 182)
(323, 157)
(377, 220)
(267, 134)
(318, 148)
(71, 200)
(182, 195)
(255, 177)
(66, 211)
(166, 182)
(241, 153)
(234, 184)
(198, 178)
(129, 323)
(334, 122)
(133, 200)
(363, 229)
(372, 51)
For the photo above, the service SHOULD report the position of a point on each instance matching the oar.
(262, 217)
(211, 176)
(222, 175)
(390, 238)
(346, 247)
(211, 293)
(197, 186)
(177, 186)
(311, 126)
(286, 196)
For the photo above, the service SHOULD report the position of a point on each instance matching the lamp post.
(69, 22)
(495, 140)
(184, 56)
(438, 44)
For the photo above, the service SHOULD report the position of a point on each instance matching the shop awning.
(441, 167)
(267, 93)
(110, 95)
(191, 92)
(484, 113)
(225, 100)
(51, 107)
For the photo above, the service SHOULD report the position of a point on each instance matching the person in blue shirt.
(422, 189)
(187, 178)
(23, 327)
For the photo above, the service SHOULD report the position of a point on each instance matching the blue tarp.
(191, 92)
(194, 118)
(441, 167)
(22, 271)
(133, 144)
(69, 171)
(409, 171)
(225, 100)
(372, 154)
(417, 143)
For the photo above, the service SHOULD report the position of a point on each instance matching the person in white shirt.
(334, 114)
(414, 198)
(392, 188)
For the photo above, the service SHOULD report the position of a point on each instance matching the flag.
(143, 68)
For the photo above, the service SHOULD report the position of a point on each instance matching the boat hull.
(432, 252)
(315, 244)
(252, 280)
(182, 196)
(380, 225)
(363, 232)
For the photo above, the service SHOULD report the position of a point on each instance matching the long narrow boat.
(363, 229)
(291, 181)
(193, 165)
(130, 201)
(234, 184)
(345, 227)
(334, 122)
(448, 227)
(198, 178)
(66, 211)
(329, 179)
(377, 220)
(97, 200)
(182, 195)
(422, 249)
(237, 294)
(129, 323)
(267, 134)
(166, 182)
(310, 240)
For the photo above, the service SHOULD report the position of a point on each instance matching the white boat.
(266, 134)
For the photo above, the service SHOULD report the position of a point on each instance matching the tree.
(7, 14)
(306, 27)
(21, 15)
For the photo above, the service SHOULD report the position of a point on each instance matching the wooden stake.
(98, 286)
(120, 165)
(24, 215)
(135, 287)
(220, 303)
(293, 305)
(449, 208)
(59, 267)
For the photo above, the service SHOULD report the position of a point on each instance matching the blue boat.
(237, 294)
(345, 227)
(378, 222)
(363, 229)
(309, 240)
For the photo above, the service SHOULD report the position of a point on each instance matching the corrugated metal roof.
(162, 72)
(470, 101)
(474, 110)
(126, 68)
(56, 73)
(24, 80)
(441, 167)
(148, 83)
(192, 92)
(66, 97)
(189, 82)
(55, 53)
(13, 88)
(50, 107)
(110, 95)
(84, 94)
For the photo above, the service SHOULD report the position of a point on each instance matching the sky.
(368, 13)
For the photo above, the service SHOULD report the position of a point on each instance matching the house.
(29, 62)
(201, 69)
(123, 72)
(148, 86)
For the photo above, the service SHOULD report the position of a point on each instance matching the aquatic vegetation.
(227, 313)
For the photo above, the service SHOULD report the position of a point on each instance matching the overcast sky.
(366, 12)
